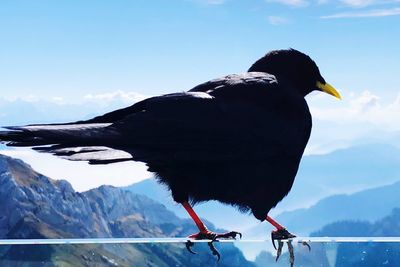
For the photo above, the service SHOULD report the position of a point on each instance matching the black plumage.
(238, 139)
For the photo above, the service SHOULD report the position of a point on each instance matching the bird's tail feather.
(78, 142)
(47, 134)
(92, 154)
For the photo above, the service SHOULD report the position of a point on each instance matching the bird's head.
(295, 67)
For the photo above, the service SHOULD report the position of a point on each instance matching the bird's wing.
(219, 120)
(118, 114)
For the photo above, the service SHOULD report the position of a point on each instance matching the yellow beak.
(327, 88)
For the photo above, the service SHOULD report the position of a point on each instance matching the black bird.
(237, 139)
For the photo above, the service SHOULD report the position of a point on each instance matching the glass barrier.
(325, 251)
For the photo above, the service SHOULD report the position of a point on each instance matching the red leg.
(204, 232)
(282, 234)
(195, 218)
(279, 234)
(274, 223)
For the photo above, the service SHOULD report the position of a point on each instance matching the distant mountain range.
(366, 254)
(343, 171)
(320, 176)
(368, 205)
(369, 173)
(35, 206)
(369, 254)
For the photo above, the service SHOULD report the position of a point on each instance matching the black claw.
(280, 234)
(273, 240)
(279, 250)
(232, 234)
(214, 238)
(189, 245)
(203, 236)
(304, 243)
(214, 250)
(291, 253)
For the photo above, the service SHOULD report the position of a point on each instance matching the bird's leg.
(282, 234)
(205, 233)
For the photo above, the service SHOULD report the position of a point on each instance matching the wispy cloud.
(209, 2)
(365, 14)
(125, 97)
(363, 108)
(215, 2)
(277, 20)
(322, 2)
(292, 3)
(358, 3)
(365, 3)
(358, 119)
(40, 109)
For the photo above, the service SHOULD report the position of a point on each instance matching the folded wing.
(219, 120)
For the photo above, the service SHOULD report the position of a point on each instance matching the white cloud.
(322, 2)
(26, 98)
(365, 102)
(360, 118)
(215, 2)
(292, 3)
(358, 3)
(363, 108)
(57, 99)
(81, 175)
(365, 13)
(364, 3)
(50, 109)
(209, 2)
(125, 97)
(277, 20)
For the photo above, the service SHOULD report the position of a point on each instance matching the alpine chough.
(236, 139)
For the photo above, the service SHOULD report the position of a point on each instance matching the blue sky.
(71, 48)
(74, 59)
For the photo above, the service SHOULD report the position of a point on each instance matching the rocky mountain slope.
(35, 206)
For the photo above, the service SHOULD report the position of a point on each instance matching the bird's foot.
(208, 235)
(282, 235)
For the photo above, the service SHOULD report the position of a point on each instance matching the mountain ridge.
(358, 206)
(319, 177)
(35, 206)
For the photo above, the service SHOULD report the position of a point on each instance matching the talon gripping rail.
(66, 241)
